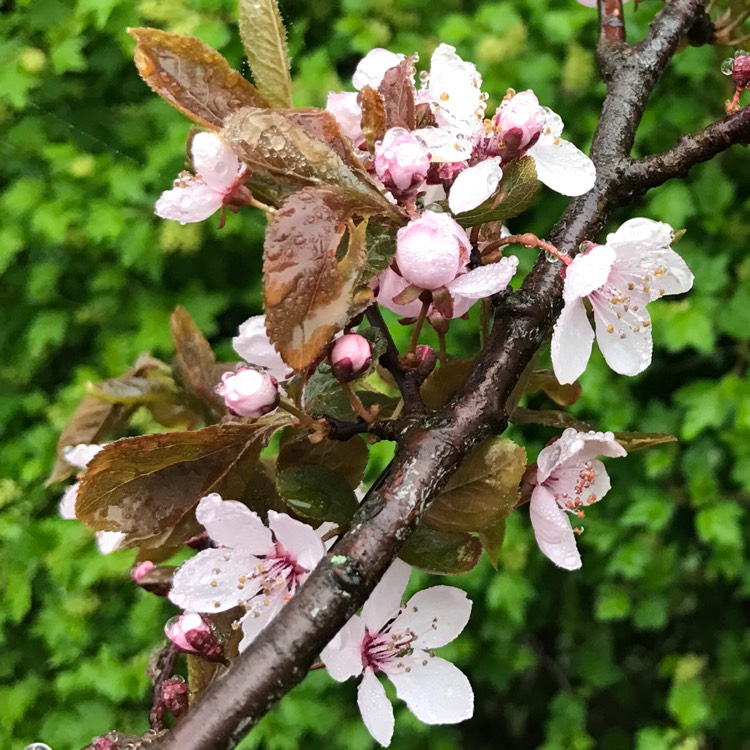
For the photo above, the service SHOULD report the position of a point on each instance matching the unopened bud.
(350, 357)
(140, 570)
(401, 162)
(741, 70)
(248, 392)
(193, 634)
(426, 359)
(520, 120)
(156, 579)
(174, 694)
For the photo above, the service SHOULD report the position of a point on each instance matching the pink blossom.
(633, 268)
(254, 346)
(401, 162)
(373, 67)
(248, 392)
(397, 640)
(432, 253)
(193, 634)
(195, 197)
(475, 185)
(520, 120)
(343, 105)
(569, 478)
(257, 567)
(350, 357)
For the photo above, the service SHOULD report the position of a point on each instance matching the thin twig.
(611, 22)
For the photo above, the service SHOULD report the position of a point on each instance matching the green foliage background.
(647, 647)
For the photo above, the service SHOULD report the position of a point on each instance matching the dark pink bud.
(248, 392)
(193, 634)
(157, 579)
(175, 694)
(350, 357)
(140, 570)
(741, 71)
(426, 359)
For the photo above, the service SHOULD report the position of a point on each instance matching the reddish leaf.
(373, 115)
(309, 293)
(145, 485)
(192, 76)
(397, 90)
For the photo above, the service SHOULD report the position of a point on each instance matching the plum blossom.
(432, 253)
(350, 357)
(254, 346)
(633, 268)
(257, 567)
(192, 633)
(195, 197)
(569, 477)
(401, 162)
(248, 392)
(398, 640)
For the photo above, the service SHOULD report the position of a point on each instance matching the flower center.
(383, 648)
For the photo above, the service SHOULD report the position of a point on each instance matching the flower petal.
(572, 339)
(563, 167)
(254, 346)
(567, 482)
(576, 446)
(552, 530)
(485, 280)
(233, 524)
(298, 539)
(67, 507)
(214, 161)
(193, 584)
(195, 201)
(588, 272)
(80, 455)
(436, 616)
(343, 655)
(436, 691)
(474, 185)
(376, 709)
(263, 609)
(373, 66)
(385, 600)
(390, 285)
(109, 541)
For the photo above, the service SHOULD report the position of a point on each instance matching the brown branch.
(432, 448)
(611, 23)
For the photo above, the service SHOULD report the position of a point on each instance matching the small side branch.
(611, 23)
(691, 150)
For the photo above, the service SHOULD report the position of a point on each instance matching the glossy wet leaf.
(381, 247)
(492, 539)
(397, 90)
(192, 76)
(133, 390)
(347, 458)
(261, 493)
(318, 493)
(445, 381)
(514, 195)
(561, 394)
(282, 151)
(441, 552)
(636, 441)
(145, 485)
(309, 293)
(483, 491)
(264, 38)
(549, 418)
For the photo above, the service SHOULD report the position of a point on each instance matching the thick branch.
(430, 450)
(691, 150)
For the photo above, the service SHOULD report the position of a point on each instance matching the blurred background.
(647, 647)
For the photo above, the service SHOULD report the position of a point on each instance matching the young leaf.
(636, 441)
(264, 38)
(195, 364)
(280, 150)
(133, 390)
(482, 491)
(316, 492)
(145, 485)
(373, 115)
(562, 395)
(397, 90)
(381, 247)
(443, 383)
(492, 539)
(309, 293)
(192, 76)
(348, 458)
(441, 552)
(514, 195)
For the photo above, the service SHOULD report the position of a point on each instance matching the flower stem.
(527, 240)
(414, 340)
(305, 419)
(356, 403)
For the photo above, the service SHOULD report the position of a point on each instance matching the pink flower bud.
(401, 162)
(174, 694)
(431, 250)
(193, 634)
(350, 357)
(249, 393)
(520, 120)
(140, 570)
(154, 579)
(741, 70)
(426, 359)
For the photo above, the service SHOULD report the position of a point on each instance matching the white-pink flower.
(195, 197)
(249, 393)
(373, 67)
(432, 253)
(256, 567)
(569, 478)
(254, 346)
(401, 162)
(350, 356)
(634, 267)
(397, 640)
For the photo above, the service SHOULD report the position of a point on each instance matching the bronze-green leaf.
(636, 441)
(492, 539)
(373, 115)
(514, 195)
(264, 38)
(443, 383)
(145, 485)
(310, 293)
(192, 76)
(397, 90)
(318, 493)
(561, 394)
(482, 491)
(441, 552)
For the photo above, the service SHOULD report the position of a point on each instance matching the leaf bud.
(350, 357)
(426, 359)
(248, 392)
